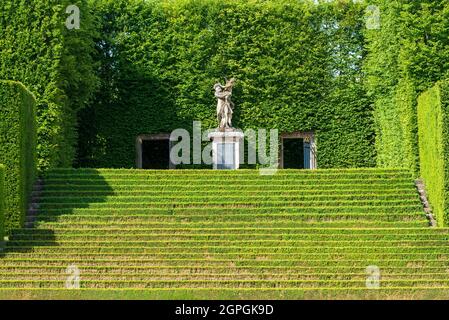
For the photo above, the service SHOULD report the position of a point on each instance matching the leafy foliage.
(433, 115)
(55, 63)
(17, 149)
(406, 56)
(298, 67)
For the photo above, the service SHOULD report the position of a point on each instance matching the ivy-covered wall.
(17, 149)
(298, 68)
(55, 63)
(433, 117)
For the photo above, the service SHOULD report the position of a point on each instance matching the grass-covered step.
(104, 171)
(168, 244)
(233, 232)
(65, 226)
(67, 188)
(221, 252)
(216, 237)
(209, 192)
(235, 284)
(236, 198)
(90, 277)
(405, 293)
(206, 270)
(112, 183)
(352, 217)
(346, 205)
(360, 264)
(260, 250)
(217, 211)
(125, 257)
(201, 174)
(247, 238)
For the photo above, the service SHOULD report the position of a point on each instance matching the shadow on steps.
(57, 186)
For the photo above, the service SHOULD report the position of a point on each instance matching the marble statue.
(225, 105)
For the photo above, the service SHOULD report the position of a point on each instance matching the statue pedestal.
(226, 148)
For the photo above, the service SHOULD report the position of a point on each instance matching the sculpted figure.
(225, 105)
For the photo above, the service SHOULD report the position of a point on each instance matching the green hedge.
(407, 55)
(298, 65)
(393, 109)
(433, 117)
(2, 202)
(55, 63)
(17, 149)
(295, 70)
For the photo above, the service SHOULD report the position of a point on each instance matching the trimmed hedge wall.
(17, 149)
(299, 68)
(407, 55)
(2, 202)
(55, 63)
(393, 101)
(433, 119)
(295, 70)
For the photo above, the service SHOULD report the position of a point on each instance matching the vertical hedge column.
(17, 149)
(2, 201)
(433, 110)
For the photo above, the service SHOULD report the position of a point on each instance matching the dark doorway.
(156, 154)
(293, 152)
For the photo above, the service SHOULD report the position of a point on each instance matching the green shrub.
(2, 202)
(17, 149)
(433, 117)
